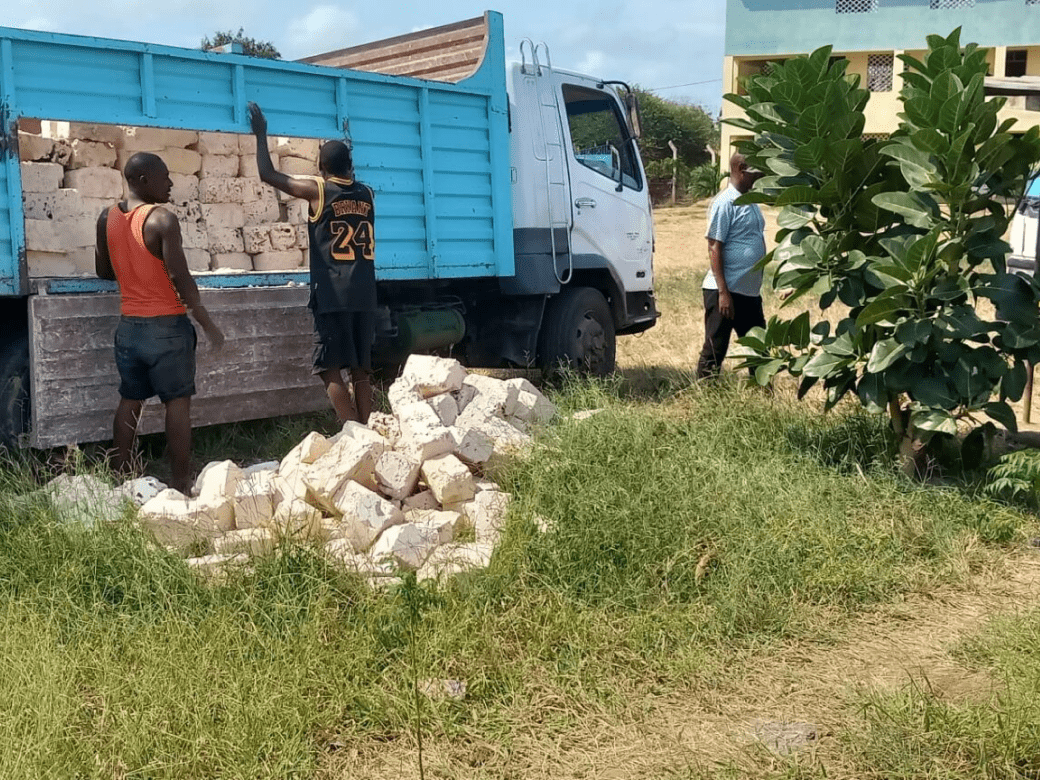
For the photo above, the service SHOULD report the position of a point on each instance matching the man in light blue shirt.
(732, 288)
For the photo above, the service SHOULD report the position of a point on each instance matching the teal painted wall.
(793, 26)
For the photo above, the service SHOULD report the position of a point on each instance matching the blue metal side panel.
(436, 154)
(12, 276)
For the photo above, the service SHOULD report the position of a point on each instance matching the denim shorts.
(156, 356)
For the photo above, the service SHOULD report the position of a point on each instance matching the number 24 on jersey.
(350, 242)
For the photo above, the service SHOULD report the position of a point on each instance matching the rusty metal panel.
(449, 53)
(264, 369)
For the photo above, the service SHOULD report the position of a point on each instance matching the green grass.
(685, 533)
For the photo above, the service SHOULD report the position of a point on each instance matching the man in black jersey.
(342, 263)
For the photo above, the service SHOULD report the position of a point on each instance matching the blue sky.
(655, 43)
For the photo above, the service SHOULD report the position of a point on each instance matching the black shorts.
(343, 339)
(156, 356)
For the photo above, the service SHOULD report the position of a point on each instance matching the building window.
(855, 6)
(879, 72)
(1016, 62)
(942, 5)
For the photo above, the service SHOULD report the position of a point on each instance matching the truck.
(514, 223)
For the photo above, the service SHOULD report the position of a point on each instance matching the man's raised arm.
(307, 189)
(102, 262)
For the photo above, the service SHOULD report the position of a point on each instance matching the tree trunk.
(911, 451)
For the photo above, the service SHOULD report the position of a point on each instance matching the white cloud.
(323, 28)
(593, 63)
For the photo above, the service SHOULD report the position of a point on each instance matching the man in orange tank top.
(139, 247)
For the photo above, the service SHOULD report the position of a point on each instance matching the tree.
(906, 233)
(250, 46)
(690, 127)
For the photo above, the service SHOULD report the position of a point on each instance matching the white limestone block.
(313, 446)
(421, 500)
(194, 235)
(298, 212)
(362, 434)
(155, 139)
(472, 445)
(232, 261)
(44, 264)
(397, 474)
(248, 541)
(224, 240)
(307, 148)
(265, 466)
(34, 148)
(296, 521)
(290, 486)
(198, 259)
(422, 435)
(108, 134)
(223, 215)
(402, 394)
(261, 212)
(342, 553)
(95, 182)
(386, 425)
(225, 189)
(486, 396)
(218, 143)
(447, 524)
(278, 237)
(451, 559)
(185, 188)
(255, 499)
(62, 205)
(91, 154)
(181, 161)
(297, 166)
(141, 490)
(486, 514)
(44, 235)
(41, 176)
(178, 521)
(347, 460)
(365, 515)
(247, 164)
(449, 479)
(407, 545)
(277, 261)
(218, 165)
(531, 405)
(84, 499)
(432, 375)
(445, 407)
(218, 480)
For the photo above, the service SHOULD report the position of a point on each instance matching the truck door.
(610, 199)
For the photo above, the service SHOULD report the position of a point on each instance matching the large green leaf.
(917, 166)
(1013, 383)
(884, 354)
(872, 392)
(797, 195)
(885, 307)
(798, 333)
(1003, 414)
(961, 322)
(933, 420)
(934, 391)
(794, 217)
(917, 208)
(824, 364)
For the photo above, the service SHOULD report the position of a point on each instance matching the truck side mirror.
(632, 108)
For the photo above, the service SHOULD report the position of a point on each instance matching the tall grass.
(682, 535)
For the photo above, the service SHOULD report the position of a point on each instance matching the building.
(871, 34)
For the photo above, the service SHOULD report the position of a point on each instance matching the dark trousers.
(747, 314)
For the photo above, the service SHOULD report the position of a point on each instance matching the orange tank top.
(145, 288)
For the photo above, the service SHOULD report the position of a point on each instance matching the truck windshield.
(597, 136)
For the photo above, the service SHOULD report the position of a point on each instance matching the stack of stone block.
(230, 220)
(410, 491)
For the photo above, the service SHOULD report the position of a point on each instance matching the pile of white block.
(410, 491)
(230, 220)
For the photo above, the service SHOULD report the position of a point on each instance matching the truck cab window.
(598, 135)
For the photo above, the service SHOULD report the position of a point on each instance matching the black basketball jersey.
(343, 247)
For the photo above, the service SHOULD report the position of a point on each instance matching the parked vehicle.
(513, 214)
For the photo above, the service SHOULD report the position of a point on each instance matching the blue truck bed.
(436, 154)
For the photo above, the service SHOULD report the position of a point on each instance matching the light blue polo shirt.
(741, 229)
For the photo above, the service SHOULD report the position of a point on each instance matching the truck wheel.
(14, 388)
(578, 333)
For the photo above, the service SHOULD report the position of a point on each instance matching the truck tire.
(14, 388)
(578, 333)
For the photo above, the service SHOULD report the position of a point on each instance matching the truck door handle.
(585, 203)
